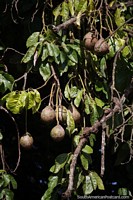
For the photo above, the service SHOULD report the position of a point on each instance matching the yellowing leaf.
(119, 20)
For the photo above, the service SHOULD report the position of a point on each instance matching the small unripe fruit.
(48, 114)
(26, 141)
(57, 133)
(75, 113)
(90, 41)
(101, 47)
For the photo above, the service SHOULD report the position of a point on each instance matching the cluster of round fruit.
(99, 47)
(48, 115)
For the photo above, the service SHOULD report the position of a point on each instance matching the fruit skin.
(26, 141)
(57, 133)
(101, 47)
(90, 41)
(48, 114)
(75, 113)
(62, 114)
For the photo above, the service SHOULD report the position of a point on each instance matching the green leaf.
(87, 149)
(60, 162)
(92, 138)
(45, 70)
(80, 179)
(56, 11)
(84, 160)
(94, 115)
(65, 48)
(70, 123)
(99, 102)
(82, 6)
(56, 52)
(6, 81)
(1, 182)
(45, 53)
(119, 20)
(99, 181)
(67, 91)
(13, 182)
(52, 183)
(93, 180)
(50, 49)
(72, 55)
(87, 102)
(76, 140)
(63, 57)
(65, 11)
(1, 136)
(100, 87)
(16, 101)
(78, 98)
(9, 195)
(75, 47)
(36, 100)
(126, 51)
(71, 7)
(6, 178)
(29, 54)
(103, 66)
(33, 39)
(91, 4)
(87, 185)
(123, 192)
(73, 92)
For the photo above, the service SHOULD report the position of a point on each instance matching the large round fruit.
(26, 141)
(48, 114)
(101, 47)
(90, 40)
(75, 113)
(57, 133)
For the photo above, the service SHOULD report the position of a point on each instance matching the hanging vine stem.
(2, 155)
(17, 130)
(113, 89)
(57, 93)
(24, 76)
(52, 94)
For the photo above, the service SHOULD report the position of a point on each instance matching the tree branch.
(84, 137)
(118, 5)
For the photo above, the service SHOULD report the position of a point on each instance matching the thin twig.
(17, 130)
(11, 50)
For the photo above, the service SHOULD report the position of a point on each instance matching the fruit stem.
(57, 106)
(51, 94)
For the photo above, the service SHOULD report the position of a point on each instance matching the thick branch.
(86, 132)
(65, 24)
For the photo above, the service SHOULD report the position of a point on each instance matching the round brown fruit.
(75, 113)
(57, 133)
(48, 114)
(101, 47)
(62, 114)
(90, 41)
(26, 141)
